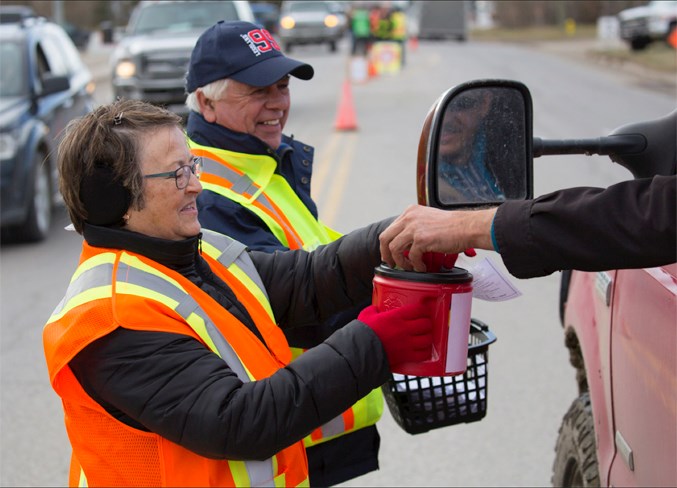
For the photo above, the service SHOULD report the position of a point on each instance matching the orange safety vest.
(113, 288)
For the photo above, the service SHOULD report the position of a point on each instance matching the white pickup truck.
(640, 26)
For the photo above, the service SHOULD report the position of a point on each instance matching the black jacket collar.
(175, 255)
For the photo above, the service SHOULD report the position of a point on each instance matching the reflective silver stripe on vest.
(186, 306)
(234, 252)
(334, 427)
(101, 275)
(242, 183)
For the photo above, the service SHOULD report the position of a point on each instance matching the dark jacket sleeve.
(307, 288)
(174, 386)
(631, 224)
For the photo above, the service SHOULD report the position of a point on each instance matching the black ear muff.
(105, 199)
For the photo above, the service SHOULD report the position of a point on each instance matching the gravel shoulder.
(591, 51)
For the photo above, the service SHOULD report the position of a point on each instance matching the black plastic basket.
(422, 403)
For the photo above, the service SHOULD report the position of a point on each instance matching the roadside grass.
(534, 34)
(657, 56)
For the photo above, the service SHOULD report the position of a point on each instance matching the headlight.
(125, 69)
(8, 146)
(331, 21)
(287, 22)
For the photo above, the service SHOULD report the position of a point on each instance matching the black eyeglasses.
(182, 175)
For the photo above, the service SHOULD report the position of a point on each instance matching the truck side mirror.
(476, 146)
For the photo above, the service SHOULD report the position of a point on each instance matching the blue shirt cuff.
(493, 236)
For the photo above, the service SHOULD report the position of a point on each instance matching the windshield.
(12, 70)
(308, 7)
(181, 16)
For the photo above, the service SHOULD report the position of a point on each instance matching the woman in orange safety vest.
(166, 349)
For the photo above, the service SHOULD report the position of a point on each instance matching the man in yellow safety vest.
(256, 183)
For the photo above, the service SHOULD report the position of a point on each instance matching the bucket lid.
(455, 275)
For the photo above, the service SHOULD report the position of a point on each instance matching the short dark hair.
(107, 138)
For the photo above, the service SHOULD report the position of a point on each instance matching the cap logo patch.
(260, 41)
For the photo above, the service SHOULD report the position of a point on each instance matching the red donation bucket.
(450, 292)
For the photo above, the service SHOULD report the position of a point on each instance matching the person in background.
(632, 224)
(167, 349)
(257, 190)
(359, 31)
(398, 22)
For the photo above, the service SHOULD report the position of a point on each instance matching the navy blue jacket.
(220, 214)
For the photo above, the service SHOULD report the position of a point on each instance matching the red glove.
(435, 261)
(405, 332)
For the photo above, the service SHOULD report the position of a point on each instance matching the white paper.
(459, 328)
(489, 283)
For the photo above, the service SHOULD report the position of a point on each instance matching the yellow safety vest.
(251, 181)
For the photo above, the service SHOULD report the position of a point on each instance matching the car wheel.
(332, 46)
(39, 218)
(575, 451)
(638, 44)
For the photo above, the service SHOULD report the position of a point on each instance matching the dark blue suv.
(43, 85)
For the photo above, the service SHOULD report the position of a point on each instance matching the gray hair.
(214, 91)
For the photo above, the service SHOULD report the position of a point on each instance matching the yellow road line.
(338, 183)
(322, 168)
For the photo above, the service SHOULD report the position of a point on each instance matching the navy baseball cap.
(242, 51)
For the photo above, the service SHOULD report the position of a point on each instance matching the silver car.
(311, 22)
(151, 60)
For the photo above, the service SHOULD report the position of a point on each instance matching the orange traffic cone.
(345, 118)
(413, 43)
(372, 72)
(672, 38)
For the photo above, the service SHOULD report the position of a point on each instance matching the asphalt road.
(362, 176)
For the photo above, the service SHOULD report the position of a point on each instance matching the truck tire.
(575, 451)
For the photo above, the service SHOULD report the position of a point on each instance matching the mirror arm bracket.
(609, 145)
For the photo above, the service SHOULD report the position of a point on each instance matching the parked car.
(43, 85)
(311, 22)
(10, 14)
(151, 60)
(640, 26)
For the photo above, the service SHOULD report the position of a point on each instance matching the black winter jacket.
(173, 385)
(632, 224)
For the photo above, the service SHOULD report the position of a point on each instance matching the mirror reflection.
(482, 151)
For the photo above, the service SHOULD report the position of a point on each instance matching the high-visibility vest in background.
(359, 23)
(112, 288)
(250, 181)
(399, 25)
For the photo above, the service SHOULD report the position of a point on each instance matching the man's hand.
(422, 229)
